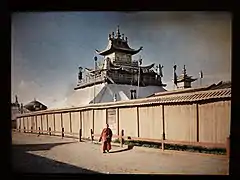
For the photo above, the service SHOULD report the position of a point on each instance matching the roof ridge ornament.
(184, 71)
(16, 99)
(118, 35)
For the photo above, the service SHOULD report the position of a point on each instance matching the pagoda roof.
(182, 78)
(185, 77)
(116, 43)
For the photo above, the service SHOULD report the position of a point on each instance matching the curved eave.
(187, 79)
(131, 67)
(114, 49)
(148, 67)
(89, 84)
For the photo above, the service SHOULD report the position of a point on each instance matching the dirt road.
(45, 154)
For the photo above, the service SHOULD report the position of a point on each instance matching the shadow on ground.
(122, 150)
(24, 162)
(38, 147)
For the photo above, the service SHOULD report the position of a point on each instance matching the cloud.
(27, 91)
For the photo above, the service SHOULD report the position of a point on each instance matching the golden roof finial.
(118, 32)
(16, 99)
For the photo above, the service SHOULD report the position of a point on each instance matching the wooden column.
(228, 146)
(31, 121)
(80, 119)
(163, 122)
(41, 124)
(197, 118)
(70, 121)
(23, 123)
(27, 125)
(54, 126)
(36, 122)
(93, 118)
(163, 127)
(106, 115)
(138, 130)
(61, 121)
(47, 122)
(19, 120)
(117, 116)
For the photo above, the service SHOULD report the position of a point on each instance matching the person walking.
(106, 138)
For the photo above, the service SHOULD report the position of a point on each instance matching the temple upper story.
(118, 50)
(184, 80)
(117, 66)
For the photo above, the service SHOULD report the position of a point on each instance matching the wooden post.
(49, 130)
(106, 116)
(80, 135)
(91, 132)
(20, 122)
(163, 127)
(62, 132)
(197, 114)
(61, 120)
(163, 138)
(80, 120)
(27, 125)
(36, 121)
(41, 124)
(47, 119)
(54, 126)
(93, 121)
(163, 122)
(70, 121)
(228, 146)
(121, 138)
(23, 123)
(117, 116)
(138, 131)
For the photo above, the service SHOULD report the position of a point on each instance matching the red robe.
(106, 138)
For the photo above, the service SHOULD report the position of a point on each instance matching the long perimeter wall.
(205, 121)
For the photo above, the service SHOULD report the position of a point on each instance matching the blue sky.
(48, 47)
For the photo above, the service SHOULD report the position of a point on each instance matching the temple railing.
(90, 81)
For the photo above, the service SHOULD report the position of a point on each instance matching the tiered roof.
(117, 42)
(184, 77)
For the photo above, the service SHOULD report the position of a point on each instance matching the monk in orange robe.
(106, 138)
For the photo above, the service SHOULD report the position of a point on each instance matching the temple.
(185, 81)
(117, 76)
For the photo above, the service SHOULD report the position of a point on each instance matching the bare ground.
(45, 154)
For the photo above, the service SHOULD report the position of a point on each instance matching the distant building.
(16, 109)
(35, 106)
(183, 81)
(220, 85)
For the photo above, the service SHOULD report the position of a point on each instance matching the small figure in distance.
(106, 138)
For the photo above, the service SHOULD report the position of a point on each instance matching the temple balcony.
(90, 81)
